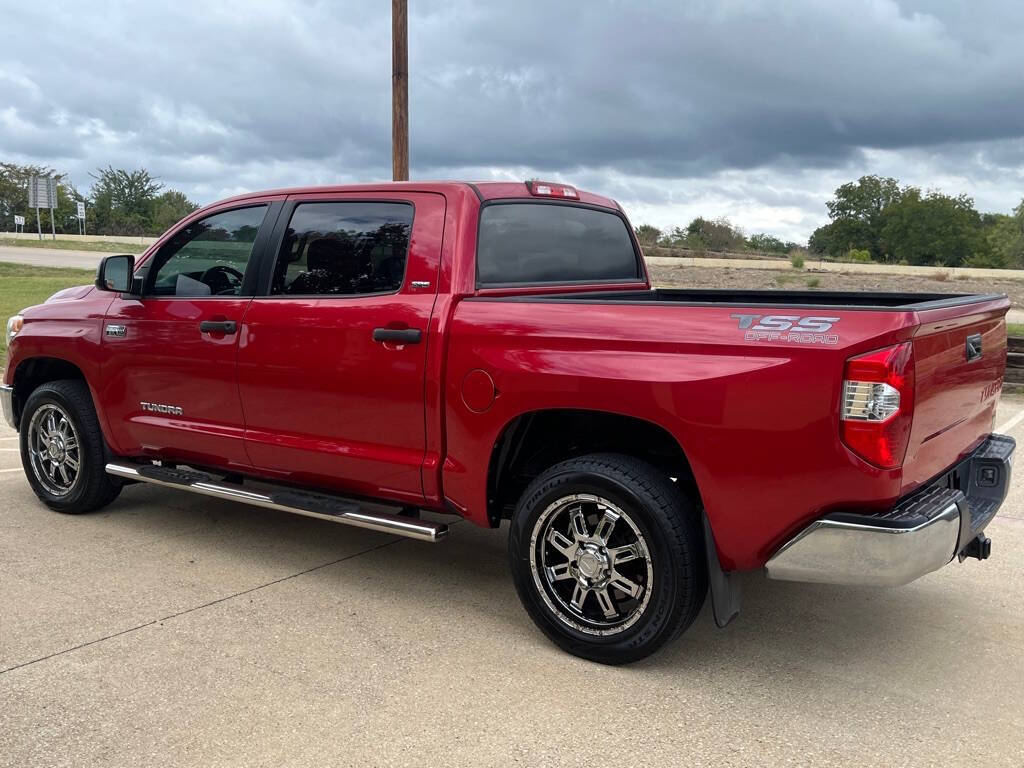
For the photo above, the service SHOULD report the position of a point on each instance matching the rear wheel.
(607, 557)
(62, 449)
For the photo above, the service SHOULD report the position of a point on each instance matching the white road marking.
(1008, 425)
(16, 469)
(10, 450)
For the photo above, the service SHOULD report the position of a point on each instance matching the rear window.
(546, 243)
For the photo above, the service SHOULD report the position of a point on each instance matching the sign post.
(81, 217)
(19, 220)
(42, 193)
(51, 191)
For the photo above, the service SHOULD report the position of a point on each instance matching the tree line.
(876, 219)
(905, 225)
(713, 235)
(119, 202)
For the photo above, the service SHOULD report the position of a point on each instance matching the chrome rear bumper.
(920, 534)
(7, 404)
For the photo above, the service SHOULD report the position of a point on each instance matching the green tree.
(768, 244)
(934, 229)
(820, 241)
(14, 181)
(858, 216)
(170, 208)
(1005, 237)
(718, 235)
(648, 234)
(123, 201)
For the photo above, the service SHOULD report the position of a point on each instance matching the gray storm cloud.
(660, 103)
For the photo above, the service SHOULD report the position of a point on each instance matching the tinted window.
(538, 243)
(209, 256)
(338, 249)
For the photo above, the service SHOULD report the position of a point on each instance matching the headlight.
(14, 325)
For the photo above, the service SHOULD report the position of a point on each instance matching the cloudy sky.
(750, 109)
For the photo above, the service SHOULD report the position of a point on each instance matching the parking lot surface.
(171, 629)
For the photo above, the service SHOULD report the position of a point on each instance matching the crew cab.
(496, 352)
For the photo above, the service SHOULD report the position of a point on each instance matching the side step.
(309, 503)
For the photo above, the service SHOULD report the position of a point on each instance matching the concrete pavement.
(176, 630)
(51, 257)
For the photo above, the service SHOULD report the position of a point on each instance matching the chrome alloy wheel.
(591, 564)
(53, 449)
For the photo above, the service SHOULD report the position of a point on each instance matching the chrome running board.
(308, 503)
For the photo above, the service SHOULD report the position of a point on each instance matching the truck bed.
(765, 405)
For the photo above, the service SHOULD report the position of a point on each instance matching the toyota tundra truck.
(495, 351)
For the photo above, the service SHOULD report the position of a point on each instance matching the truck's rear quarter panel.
(758, 420)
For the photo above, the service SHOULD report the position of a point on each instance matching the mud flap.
(725, 588)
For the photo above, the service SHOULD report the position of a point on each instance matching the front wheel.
(607, 557)
(62, 449)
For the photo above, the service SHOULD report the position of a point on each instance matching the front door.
(331, 363)
(169, 375)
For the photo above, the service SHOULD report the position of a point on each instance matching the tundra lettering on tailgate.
(811, 329)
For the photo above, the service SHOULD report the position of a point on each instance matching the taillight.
(878, 404)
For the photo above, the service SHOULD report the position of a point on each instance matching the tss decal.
(810, 329)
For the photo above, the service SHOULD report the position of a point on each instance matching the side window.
(208, 257)
(344, 249)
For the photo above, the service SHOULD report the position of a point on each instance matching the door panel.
(169, 377)
(165, 360)
(325, 403)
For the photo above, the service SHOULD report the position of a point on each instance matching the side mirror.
(115, 273)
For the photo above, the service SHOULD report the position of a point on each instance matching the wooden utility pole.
(400, 90)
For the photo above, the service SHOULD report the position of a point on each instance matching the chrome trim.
(422, 530)
(839, 552)
(7, 403)
(119, 331)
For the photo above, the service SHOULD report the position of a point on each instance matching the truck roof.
(486, 190)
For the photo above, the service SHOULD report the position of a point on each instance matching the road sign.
(19, 220)
(81, 209)
(42, 192)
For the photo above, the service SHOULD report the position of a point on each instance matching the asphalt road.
(172, 630)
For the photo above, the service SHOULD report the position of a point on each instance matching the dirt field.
(764, 279)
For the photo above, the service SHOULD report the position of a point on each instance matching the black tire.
(664, 521)
(91, 487)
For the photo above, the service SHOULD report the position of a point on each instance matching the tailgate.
(959, 359)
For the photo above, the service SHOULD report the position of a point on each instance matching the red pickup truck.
(495, 351)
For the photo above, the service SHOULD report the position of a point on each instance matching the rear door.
(169, 379)
(332, 359)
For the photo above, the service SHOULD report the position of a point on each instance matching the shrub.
(940, 276)
(989, 260)
(648, 234)
(861, 256)
(796, 258)
(813, 282)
